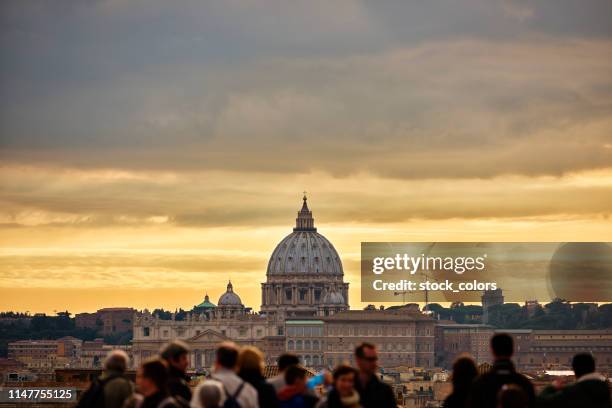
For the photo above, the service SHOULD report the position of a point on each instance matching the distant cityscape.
(305, 311)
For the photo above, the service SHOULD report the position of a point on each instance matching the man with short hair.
(486, 386)
(224, 371)
(284, 361)
(590, 389)
(372, 391)
(294, 393)
(176, 356)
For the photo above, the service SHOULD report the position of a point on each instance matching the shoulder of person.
(169, 402)
(322, 403)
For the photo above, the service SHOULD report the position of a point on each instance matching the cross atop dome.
(304, 220)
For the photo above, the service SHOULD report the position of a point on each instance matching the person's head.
(344, 379)
(116, 361)
(464, 372)
(512, 396)
(502, 346)
(227, 355)
(151, 377)
(366, 357)
(211, 394)
(287, 359)
(176, 354)
(583, 363)
(296, 375)
(250, 361)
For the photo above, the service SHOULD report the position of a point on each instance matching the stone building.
(304, 310)
(538, 350)
(403, 337)
(107, 321)
(452, 340)
(490, 298)
(305, 275)
(204, 328)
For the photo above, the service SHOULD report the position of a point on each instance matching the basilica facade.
(304, 308)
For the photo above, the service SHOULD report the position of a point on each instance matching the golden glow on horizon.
(67, 252)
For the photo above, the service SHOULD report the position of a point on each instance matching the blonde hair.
(251, 360)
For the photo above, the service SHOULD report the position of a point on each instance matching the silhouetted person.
(234, 388)
(112, 388)
(176, 356)
(464, 372)
(512, 396)
(284, 361)
(483, 393)
(151, 384)
(590, 389)
(294, 394)
(250, 369)
(373, 392)
(343, 393)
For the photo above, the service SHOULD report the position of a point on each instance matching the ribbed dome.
(305, 251)
(229, 298)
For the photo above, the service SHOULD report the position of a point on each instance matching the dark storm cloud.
(402, 89)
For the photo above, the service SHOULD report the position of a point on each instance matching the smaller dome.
(333, 298)
(206, 304)
(229, 298)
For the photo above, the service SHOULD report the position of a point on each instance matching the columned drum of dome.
(305, 275)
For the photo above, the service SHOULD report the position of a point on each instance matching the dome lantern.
(304, 220)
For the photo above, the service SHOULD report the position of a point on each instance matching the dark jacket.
(590, 390)
(290, 397)
(333, 400)
(376, 394)
(117, 389)
(178, 385)
(483, 393)
(159, 400)
(266, 393)
(457, 399)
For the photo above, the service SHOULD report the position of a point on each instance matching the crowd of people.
(237, 381)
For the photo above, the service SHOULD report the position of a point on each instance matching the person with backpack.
(237, 392)
(112, 388)
(176, 356)
(151, 384)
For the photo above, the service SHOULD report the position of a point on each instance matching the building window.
(146, 331)
(288, 294)
(280, 331)
(315, 344)
(317, 295)
(298, 345)
(303, 294)
(290, 345)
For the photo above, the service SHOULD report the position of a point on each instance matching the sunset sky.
(152, 150)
